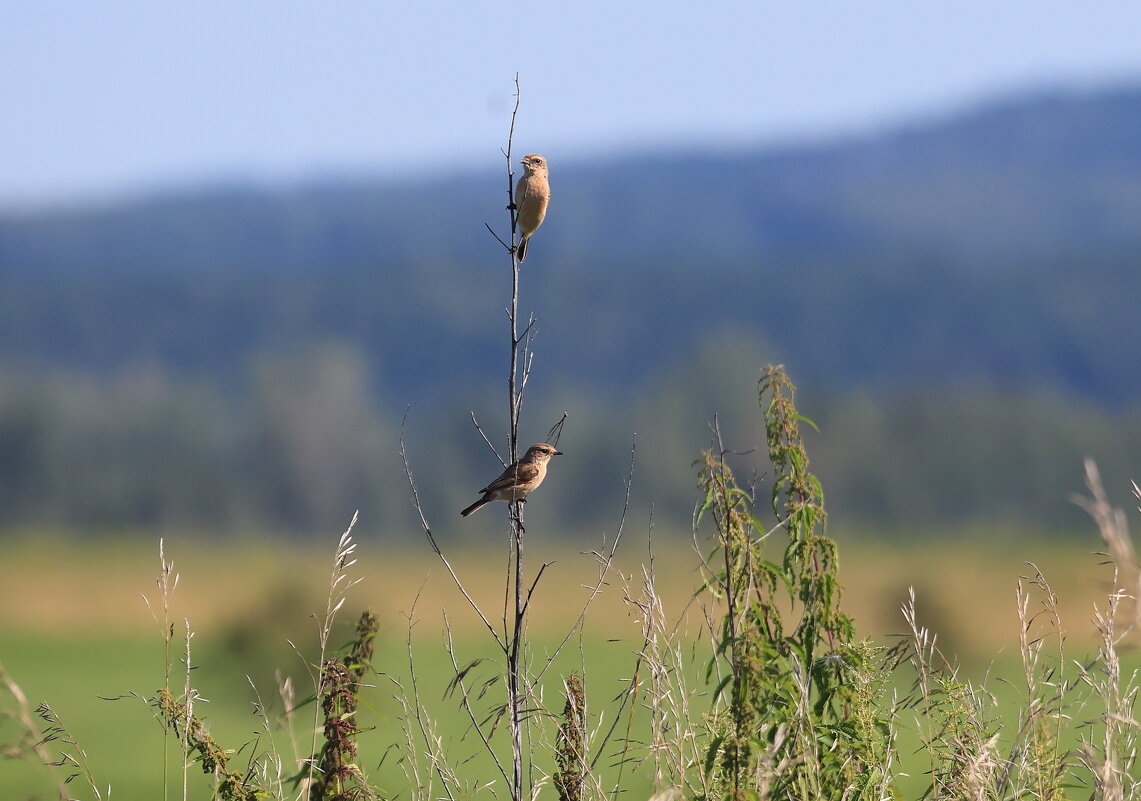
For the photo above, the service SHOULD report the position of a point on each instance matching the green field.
(76, 631)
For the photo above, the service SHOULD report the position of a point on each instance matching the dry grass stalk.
(32, 742)
(340, 582)
(1114, 530)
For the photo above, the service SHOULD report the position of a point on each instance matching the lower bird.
(519, 479)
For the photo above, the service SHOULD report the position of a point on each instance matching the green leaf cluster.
(798, 696)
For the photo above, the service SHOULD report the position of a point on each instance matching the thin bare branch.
(606, 562)
(417, 706)
(427, 529)
(487, 441)
(515, 384)
(557, 431)
(466, 702)
(531, 590)
(497, 237)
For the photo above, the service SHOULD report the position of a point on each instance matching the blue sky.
(105, 99)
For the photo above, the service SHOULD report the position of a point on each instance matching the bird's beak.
(557, 453)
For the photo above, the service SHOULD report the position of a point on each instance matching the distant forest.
(957, 300)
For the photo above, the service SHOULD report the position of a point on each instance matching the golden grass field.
(75, 626)
(965, 584)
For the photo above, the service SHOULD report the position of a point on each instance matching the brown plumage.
(519, 479)
(532, 193)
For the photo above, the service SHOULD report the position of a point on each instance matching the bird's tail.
(521, 252)
(475, 507)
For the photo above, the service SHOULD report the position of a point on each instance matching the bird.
(532, 193)
(519, 479)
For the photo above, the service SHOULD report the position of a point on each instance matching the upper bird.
(532, 193)
(519, 479)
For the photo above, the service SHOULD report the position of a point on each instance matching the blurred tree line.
(308, 440)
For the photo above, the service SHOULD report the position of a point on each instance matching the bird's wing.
(526, 472)
(522, 188)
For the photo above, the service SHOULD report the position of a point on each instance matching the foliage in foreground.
(785, 703)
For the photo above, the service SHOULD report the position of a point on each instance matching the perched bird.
(532, 193)
(519, 479)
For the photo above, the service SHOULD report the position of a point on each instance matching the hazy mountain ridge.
(1028, 175)
(999, 245)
